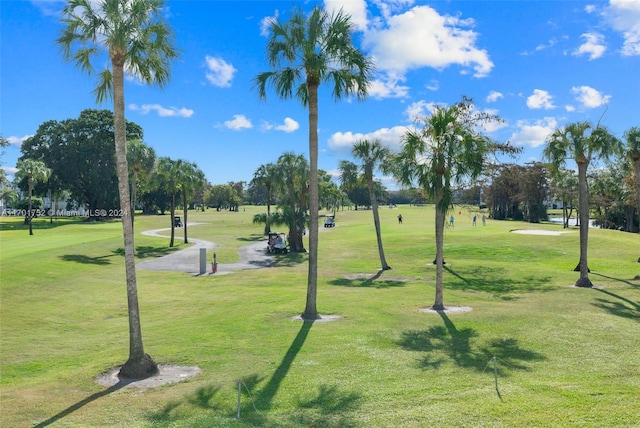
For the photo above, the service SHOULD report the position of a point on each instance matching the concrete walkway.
(252, 256)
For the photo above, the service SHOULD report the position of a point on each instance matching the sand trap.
(539, 232)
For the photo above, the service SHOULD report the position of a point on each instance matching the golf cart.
(177, 221)
(329, 221)
(277, 243)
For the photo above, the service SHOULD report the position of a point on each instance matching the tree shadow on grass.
(142, 252)
(615, 279)
(288, 260)
(81, 258)
(372, 281)
(146, 251)
(254, 238)
(203, 398)
(66, 412)
(441, 344)
(491, 280)
(622, 307)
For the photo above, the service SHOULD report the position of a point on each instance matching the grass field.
(533, 351)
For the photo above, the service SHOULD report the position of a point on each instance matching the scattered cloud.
(593, 46)
(390, 137)
(533, 134)
(421, 37)
(288, 126)
(418, 109)
(589, 97)
(624, 17)
(265, 23)
(9, 170)
(17, 141)
(590, 8)
(162, 111)
(540, 100)
(238, 123)
(357, 9)
(388, 86)
(494, 96)
(433, 85)
(219, 72)
(569, 108)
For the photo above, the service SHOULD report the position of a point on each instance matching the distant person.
(484, 220)
(451, 220)
(474, 220)
(214, 264)
(400, 218)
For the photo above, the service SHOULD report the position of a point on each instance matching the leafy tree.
(306, 51)
(137, 39)
(265, 176)
(442, 153)
(583, 143)
(33, 171)
(221, 196)
(371, 154)
(564, 185)
(81, 155)
(141, 158)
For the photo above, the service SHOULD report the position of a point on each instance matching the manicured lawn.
(563, 356)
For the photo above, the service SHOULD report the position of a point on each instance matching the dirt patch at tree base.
(323, 318)
(167, 374)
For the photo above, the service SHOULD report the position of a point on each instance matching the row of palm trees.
(304, 52)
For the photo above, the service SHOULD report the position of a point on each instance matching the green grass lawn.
(563, 356)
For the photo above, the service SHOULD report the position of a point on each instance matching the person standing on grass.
(399, 218)
(474, 220)
(484, 220)
(451, 220)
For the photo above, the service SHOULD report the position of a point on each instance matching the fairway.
(532, 350)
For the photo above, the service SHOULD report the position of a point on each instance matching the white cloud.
(593, 46)
(589, 97)
(494, 96)
(569, 108)
(219, 72)
(390, 137)
(433, 85)
(418, 109)
(421, 37)
(17, 141)
(389, 86)
(624, 17)
(265, 23)
(540, 99)
(162, 111)
(356, 8)
(238, 123)
(590, 8)
(288, 126)
(533, 135)
(10, 170)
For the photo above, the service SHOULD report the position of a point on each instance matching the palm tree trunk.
(376, 221)
(173, 214)
(139, 365)
(438, 304)
(583, 203)
(636, 165)
(29, 214)
(310, 311)
(134, 184)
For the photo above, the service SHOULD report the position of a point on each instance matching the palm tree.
(190, 178)
(306, 51)
(371, 154)
(140, 158)
(632, 137)
(444, 152)
(137, 39)
(265, 176)
(292, 184)
(33, 171)
(348, 177)
(167, 173)
(582, 143)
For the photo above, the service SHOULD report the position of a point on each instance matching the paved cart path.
(252, 256)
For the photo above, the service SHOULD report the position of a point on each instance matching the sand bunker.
(539, 232)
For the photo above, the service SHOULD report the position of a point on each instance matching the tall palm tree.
(140, 158)
(348, 177)
(190, 178)
(306, 51)
(33, 171)
(632, 137)
(137, 39)
(292, 184)
(371, 154)
(583, 143)
(442, 153)
(167, 176)
(265, 176)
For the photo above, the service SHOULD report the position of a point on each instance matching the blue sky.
(537, 64)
